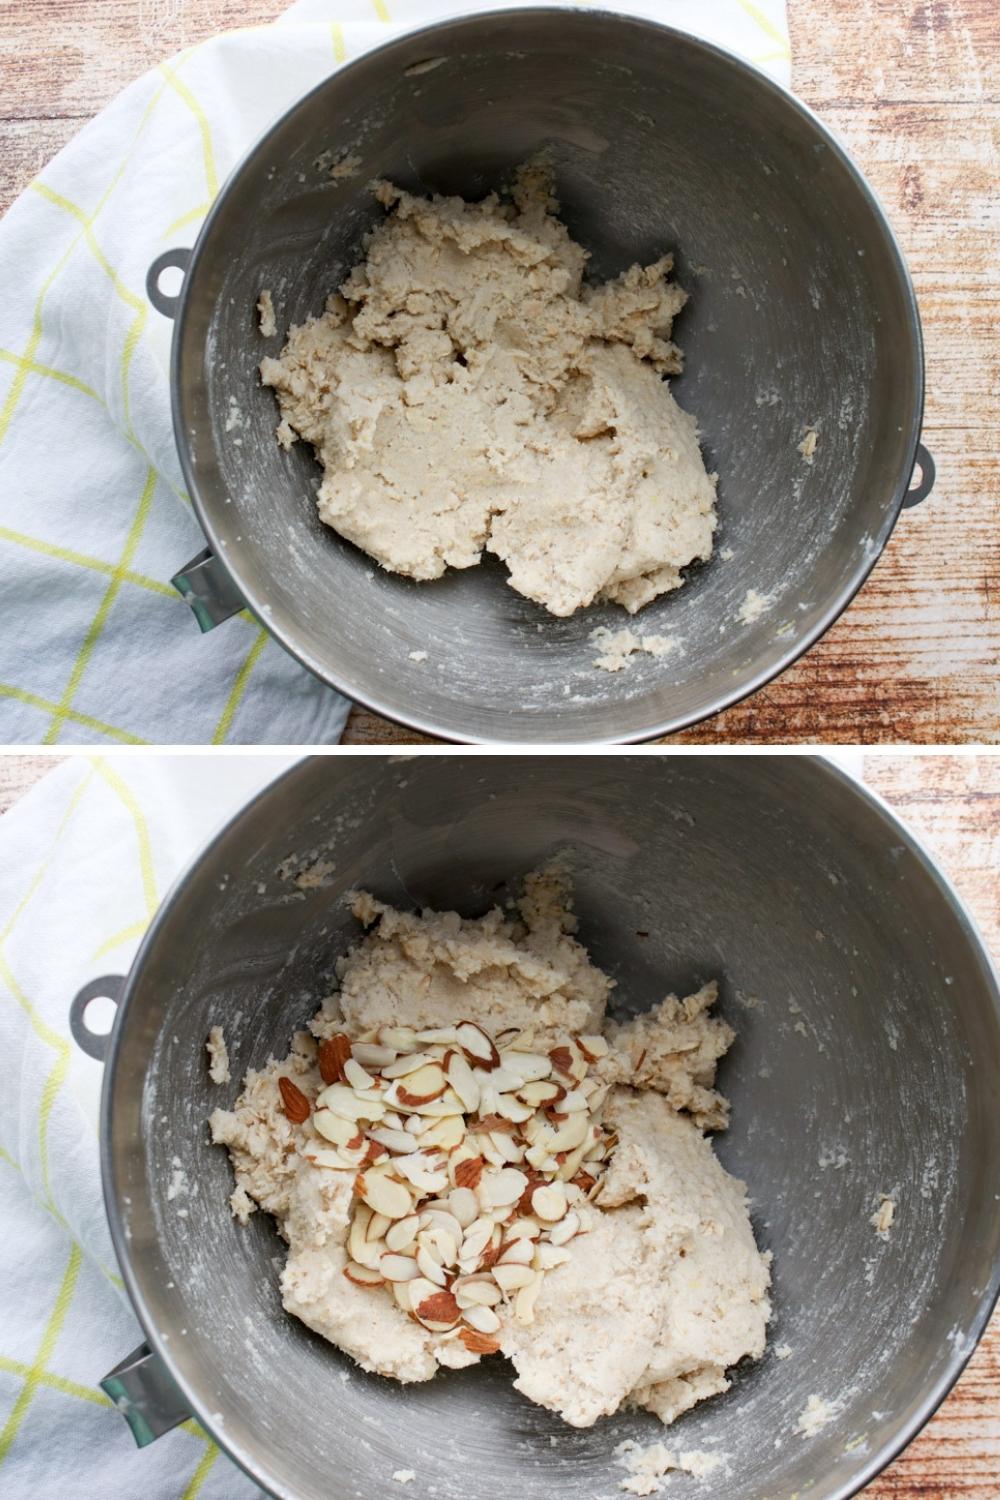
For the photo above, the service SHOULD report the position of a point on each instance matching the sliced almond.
(366, 1252)
(377, 1227)
(569, 1168)
(383, 1195)
(402, 1232)
(502, 1187)
(527, 1067)
(593, 1047)
(476, 1291)
(440, 1310)
(442, 1221)
(408, 1063)
(510, 1277)
(363, 1275)
(477, 1046)
(523, 1228)
(560, 1233)
(476, 1238)
(371, 1055)
(423, 1171)
(508, 1150)
(482, 1319)
(446, 1132)
(573, 1133)
(343, 1101)
(421, 1087)
(464, 1204)
(334, 1127)
(524, 1302)
(541, 1091)
(511, 1108)
(396, 1267)
(463, 1081)
(429, 1266)
(524, 1041)
(468, 1173)
(573, 1102)
(547, 1257)
(517, 1252)
(399, 1141)
(443, 1035)
(478, 1343)
(549, 1201)
(401, 1291)
(356, 1076)
(402, 1038)
(561, 1059)
(323, 1156)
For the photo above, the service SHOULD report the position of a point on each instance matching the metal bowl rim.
(164, 1349)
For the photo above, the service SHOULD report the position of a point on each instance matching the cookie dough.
(465, 391)
(661, 1291)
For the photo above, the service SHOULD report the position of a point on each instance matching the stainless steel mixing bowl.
(868, 1050)
(801, 314)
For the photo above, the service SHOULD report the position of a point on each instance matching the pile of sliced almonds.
(474, 1157)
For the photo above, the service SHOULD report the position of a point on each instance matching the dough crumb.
(404, 1476)
(418, 656)
(881, 1219)
(178, 1182)
(807, 447)
(782, 1351)
(753, 606)
(218, 1056)
(648, 1466)
(265, 312)
(467, 392)
(616, 646)
(347, 166)
(815, 1415)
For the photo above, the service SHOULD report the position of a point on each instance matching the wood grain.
(911, 87)
(18, 774)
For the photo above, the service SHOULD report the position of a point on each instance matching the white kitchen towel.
(85, 859)
(96, 647)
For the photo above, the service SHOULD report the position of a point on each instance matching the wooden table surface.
(953, 803)
(911, 86)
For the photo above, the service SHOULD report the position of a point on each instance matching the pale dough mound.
(664, 1292)
(466, 391)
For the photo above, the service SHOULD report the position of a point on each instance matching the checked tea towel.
(96, 646)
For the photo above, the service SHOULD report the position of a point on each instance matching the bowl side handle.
(142, 1390)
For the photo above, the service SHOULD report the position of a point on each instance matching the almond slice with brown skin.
(561, 1059)
(441, 1309)
(363, 1275)
(333, 1053)
(477, 1046)
(478, 1343)
(293, 1101)
(468, 1173)
(422, 1087)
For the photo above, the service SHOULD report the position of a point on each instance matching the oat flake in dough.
(466, 391)
(665, 1292)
